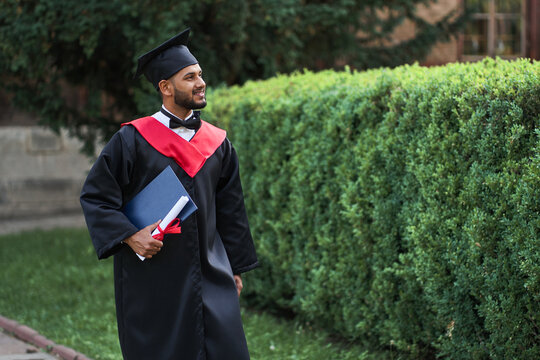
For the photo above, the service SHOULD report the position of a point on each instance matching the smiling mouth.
(199, 93)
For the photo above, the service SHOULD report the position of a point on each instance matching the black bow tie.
(193, 123)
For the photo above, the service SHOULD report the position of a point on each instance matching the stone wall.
(41, 173)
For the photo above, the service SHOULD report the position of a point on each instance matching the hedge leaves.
(398, 208)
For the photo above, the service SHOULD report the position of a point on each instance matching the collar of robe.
(189, 155)
(193, 122)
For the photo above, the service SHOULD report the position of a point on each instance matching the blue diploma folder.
(157, 199)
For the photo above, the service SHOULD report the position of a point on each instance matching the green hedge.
(398, 208)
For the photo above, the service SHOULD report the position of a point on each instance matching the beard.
(186, 101)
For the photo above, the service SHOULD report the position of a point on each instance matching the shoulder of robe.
(225, 149)
(127, 132)
(227, 144)
(123, 139)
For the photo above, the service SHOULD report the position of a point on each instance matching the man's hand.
(143, 243)
(239, 285)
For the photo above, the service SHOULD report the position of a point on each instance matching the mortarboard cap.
(166, 60)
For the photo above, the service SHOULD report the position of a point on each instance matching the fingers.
(143, 243)
(150, 248)
(239, 284)
(151, 227)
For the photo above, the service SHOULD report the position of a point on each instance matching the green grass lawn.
(53, 282)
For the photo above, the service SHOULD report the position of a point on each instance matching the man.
(181, 302)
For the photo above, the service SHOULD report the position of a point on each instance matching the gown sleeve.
(232, 221)
(102, 195)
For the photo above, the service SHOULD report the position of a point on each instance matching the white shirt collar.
(185, 133)
(169, 111)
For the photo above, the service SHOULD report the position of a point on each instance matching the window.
(496, 28)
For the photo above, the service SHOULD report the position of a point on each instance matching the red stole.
(190, 155)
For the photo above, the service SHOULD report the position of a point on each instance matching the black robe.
(182, 303)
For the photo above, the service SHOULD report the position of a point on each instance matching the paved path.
(17, 341)
(11, 349)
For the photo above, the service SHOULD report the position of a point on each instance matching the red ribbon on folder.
(172, 228)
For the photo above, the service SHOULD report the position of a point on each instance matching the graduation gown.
(182, 303)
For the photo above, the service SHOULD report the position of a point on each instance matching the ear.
(166, 88)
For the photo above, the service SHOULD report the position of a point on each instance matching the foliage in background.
(398, 208)
(53, 282)
(72, 62)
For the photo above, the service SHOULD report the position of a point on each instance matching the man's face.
(189, 88)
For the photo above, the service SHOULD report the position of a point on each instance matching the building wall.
(442, 52)
(451, 51)
(533, 29)
(41, 173)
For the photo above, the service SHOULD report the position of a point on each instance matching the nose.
(201, 82)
